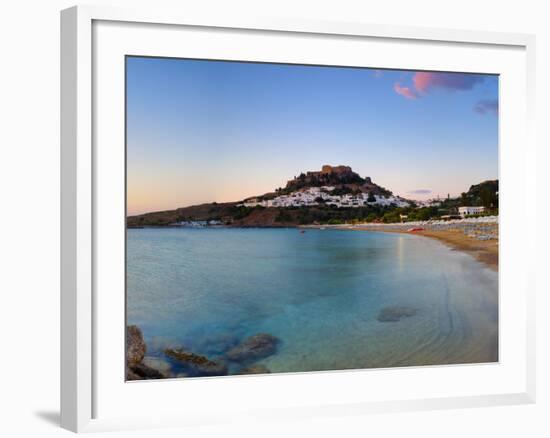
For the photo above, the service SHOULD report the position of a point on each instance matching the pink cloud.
(404, 91)
(425, 81)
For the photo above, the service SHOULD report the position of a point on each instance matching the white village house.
(465, 211)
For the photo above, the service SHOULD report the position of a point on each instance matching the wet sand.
(485, 251)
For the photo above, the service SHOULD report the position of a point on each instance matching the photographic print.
(302, 218)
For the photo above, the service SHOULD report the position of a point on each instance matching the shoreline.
(485, 251)
(477, 238)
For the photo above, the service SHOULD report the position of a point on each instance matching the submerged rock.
(255, 369)
(217, 344)
(135, 345)
(254, 347)
(201, 364)
(395, 313)
(146, 372)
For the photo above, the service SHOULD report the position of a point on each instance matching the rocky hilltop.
(338, 176)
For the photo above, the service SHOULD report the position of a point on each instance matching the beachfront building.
(466, 211)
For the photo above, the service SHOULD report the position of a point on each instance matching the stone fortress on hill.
(329, 170)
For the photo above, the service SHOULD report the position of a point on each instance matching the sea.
(320, 292)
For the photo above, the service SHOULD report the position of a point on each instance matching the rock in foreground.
(135, 345)
(255, 369)
(395, 313)
(254, 347)
(136, 369)
(146, 372)
(202, 365)
(130, 375)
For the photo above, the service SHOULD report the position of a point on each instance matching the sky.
(217, 131)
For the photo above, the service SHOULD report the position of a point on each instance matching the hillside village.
(324, 195)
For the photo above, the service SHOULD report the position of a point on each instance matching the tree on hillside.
(489, 198)
(391, 217)
(372, 217)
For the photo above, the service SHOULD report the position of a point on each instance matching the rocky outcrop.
(136, 369)
(254, 347)
(201, 364)
(395, 313)
(135, 345)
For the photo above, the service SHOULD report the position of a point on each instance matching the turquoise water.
(319, 292)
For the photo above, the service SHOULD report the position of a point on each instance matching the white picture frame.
(82, 370)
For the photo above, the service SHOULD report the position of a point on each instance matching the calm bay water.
(319, 292)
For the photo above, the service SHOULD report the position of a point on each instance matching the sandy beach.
(485, 251)
(475, 236)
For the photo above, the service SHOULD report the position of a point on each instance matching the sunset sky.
(204, 131)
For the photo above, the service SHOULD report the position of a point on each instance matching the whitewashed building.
(465, 211)
(312, 196)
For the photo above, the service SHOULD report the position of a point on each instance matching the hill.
(202, 212)
(484, 194)
(334, 194)
(315, 196)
